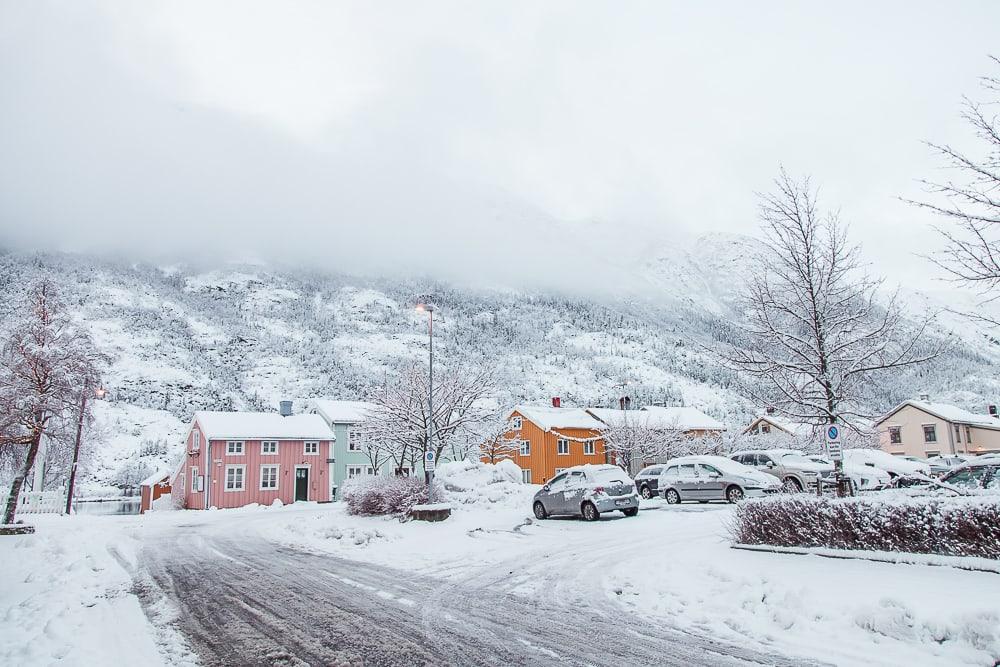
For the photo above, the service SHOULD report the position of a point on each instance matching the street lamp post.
(98, 393)
(429, 309)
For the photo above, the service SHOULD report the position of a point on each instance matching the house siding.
(291, 454)
(543, 458)
(911, 421)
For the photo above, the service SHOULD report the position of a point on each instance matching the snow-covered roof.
(642, 418)
(255, 425)
(786, 425)
(685, 418)
(951, 413)
(156, 477)
(342, 412)
(547, 418)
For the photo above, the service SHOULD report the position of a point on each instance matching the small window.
(234, 448)
(268, 447)
(958, 433)
(930, 433)
(195, 439)
(235, 478)
(354, 440)
(194, 479)
(180, 483)
(515, 423)
(931, 452)
(526, 476)
(895, 435)
(525, 448)
(765, 428)
(355, 471)
(968, 435)
(269, 478)
(588, 448)
(311, 447)
(562, 446)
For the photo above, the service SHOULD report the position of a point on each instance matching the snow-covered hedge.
(966, 526)
(384, 495)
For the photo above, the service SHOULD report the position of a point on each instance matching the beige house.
(771, 424)
(921, 428)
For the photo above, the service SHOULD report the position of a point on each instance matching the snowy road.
(246, 601)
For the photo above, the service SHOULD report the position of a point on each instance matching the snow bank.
(474, 482)
(67, 597)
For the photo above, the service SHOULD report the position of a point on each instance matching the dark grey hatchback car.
(587, 491)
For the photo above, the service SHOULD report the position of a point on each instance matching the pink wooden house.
(236, 458)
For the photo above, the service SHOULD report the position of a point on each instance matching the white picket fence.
(42, 502)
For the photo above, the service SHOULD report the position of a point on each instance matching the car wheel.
(590, 512)
(792, 485)
(646, 493)
(540, 512)
(672, 497)
(734, 494)
(631, 511)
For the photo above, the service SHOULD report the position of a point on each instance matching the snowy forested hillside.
(247, 336)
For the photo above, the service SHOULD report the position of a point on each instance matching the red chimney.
(556, 402)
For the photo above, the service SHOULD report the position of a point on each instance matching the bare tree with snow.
(493, 441)
(46, 362)
(818, 333)
(399, 421)
(970, 203)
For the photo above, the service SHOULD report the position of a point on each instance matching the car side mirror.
(769, 464)
(545, 488)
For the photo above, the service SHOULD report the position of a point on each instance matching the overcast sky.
(475, 141)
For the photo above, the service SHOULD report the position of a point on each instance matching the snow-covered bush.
(376, 495)
(966, 526)
(476, 482)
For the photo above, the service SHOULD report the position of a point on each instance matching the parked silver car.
(705, 478)
(587, 491)
(796, 471)
(647, 479)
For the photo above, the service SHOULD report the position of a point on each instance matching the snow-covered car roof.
(777, 450)
(262, 425)
(547, 418)
(342, 412)
(720, 462)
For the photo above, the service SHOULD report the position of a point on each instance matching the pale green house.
(349, 457)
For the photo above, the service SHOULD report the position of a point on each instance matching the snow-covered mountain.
(247, 336)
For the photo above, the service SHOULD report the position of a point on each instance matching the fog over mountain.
(540, 146)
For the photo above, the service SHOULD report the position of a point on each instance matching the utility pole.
(99, 393)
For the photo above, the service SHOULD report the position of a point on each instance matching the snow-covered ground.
(65, 594)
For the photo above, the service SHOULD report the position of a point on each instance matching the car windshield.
(794, 458)
(820, 459)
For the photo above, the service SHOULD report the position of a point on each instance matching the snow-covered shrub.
(476, 482)
(376, 495)
(965, 526)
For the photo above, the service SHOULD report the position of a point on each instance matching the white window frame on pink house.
(277, 477)
(305, 447)
(243, 478)
(229, 448)
(268, 442)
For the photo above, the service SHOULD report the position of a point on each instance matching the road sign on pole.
(833, 447)
(429, 461)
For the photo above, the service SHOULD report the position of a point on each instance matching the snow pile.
(474, 482)
(963, 526)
